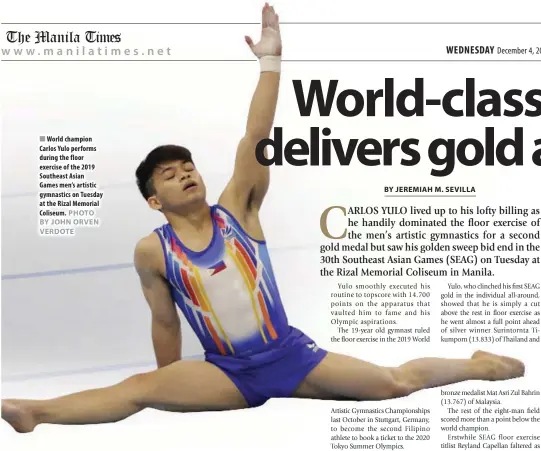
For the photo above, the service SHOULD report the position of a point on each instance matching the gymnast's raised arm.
(248, 186)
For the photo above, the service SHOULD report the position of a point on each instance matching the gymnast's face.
(177, 185)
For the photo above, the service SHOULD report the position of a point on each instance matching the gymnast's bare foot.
(500, 367)
(18, 415)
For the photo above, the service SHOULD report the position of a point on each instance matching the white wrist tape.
(270, 63)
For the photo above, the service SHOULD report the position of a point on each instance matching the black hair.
(159, 155)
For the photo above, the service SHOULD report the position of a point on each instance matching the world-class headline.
(467, 102)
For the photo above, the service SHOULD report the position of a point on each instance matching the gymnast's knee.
(400, 384)
(140, 388)
(392, 384)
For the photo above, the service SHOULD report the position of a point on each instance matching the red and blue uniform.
(229, 296)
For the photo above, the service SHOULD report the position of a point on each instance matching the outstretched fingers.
(269, 17)
(269, 43)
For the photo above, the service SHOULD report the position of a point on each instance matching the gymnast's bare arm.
(166, 331)
(248, 186)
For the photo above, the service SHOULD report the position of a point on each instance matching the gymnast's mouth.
(189, 185)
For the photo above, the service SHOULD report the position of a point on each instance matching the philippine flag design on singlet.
(227, 292)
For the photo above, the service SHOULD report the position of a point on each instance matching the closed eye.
(169, 173)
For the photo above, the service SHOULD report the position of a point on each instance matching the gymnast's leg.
(184, 386)
(343, 377)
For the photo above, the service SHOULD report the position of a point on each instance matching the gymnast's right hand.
(270, 43)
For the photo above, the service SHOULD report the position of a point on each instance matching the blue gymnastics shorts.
(275, 372)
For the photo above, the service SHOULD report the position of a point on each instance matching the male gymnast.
(213, 263)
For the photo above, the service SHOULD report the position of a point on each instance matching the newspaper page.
(252, 226)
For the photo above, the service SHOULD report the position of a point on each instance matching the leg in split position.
(341, 377)
(184, 386)
(200, 386)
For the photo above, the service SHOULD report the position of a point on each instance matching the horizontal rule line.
(284, 60)
(281, 23)
(430, 195)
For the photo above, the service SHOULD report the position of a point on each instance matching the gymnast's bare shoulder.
(148, 256)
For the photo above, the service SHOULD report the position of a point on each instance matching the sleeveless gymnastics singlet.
(227, 292)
